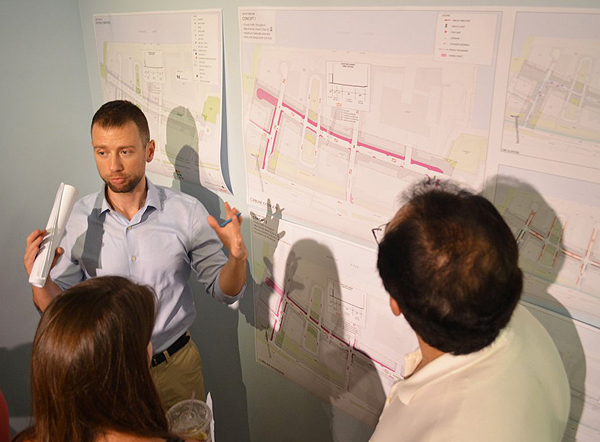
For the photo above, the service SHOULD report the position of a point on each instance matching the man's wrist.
(241, 256)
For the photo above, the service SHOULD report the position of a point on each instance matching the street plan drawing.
(577, 344)
(559, 240)
(344, 108)
(170, 65)
(339, 120)
(323, 318)
(553, 98)
(547, 161)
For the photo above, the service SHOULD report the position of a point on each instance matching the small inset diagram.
(153, 67)
(346, 305)
(348, 85)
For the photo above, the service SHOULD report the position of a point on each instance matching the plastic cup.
(190, 419)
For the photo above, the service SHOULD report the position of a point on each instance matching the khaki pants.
(180, 375)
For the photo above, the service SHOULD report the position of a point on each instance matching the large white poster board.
(343, 108)
(170, 65)
(323, 319)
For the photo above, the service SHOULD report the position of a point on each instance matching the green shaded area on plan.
(311, 339)
(315, 305)
(138, 81)
(103, 64)
(211, 109)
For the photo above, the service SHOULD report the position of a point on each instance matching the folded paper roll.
(63, 205)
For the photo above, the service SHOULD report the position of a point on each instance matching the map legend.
(465, 38)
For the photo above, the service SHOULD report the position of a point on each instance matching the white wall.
(46, 109)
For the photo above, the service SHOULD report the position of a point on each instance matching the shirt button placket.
(130, 249)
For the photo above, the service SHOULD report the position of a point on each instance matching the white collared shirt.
(516, 389)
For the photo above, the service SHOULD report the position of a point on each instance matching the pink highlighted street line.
(296, 304)
(427, 166)
(377, 149)
(273, 145)
(265, 157)
(272, 120)
(264, 95)
(274, 286)
(259, 126)
(261, 94)
(341, 340)
(341, 137)
(279, 290)
(293, 110)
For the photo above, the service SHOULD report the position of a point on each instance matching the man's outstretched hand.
(231, 234)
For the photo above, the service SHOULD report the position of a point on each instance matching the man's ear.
(396, 310)
(150, 147)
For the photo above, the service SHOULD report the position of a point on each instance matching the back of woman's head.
(90, 369)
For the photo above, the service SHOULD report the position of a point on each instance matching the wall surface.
(50, 88)
(46, 109)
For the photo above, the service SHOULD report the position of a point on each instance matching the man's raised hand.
(231, 234)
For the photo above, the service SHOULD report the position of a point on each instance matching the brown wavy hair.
(89, 370)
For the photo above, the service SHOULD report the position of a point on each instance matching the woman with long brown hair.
(90, 376)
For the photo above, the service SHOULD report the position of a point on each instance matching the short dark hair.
(120, 112)
(90, 371)
(451, 263)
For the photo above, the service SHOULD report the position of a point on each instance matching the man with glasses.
(485, 369)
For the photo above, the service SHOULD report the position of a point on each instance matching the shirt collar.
(444, 366)
(152, 199)
(101, 202)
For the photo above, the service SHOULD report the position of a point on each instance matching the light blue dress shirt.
(167, 238)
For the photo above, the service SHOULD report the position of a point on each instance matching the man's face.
(121, 156)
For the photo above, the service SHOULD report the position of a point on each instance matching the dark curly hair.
(451, 263)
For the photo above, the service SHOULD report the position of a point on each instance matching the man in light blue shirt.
(152, 235)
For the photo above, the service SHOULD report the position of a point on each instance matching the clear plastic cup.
(190, 419)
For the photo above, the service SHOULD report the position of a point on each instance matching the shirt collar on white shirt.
(439, 368)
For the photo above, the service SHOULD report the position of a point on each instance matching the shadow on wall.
(215, 328)
(309, 329)
(14, 382)
(539, 232)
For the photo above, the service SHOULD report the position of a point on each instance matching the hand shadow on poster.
(540, 232)
(216, 326)
(269, 226)
(309, 321)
